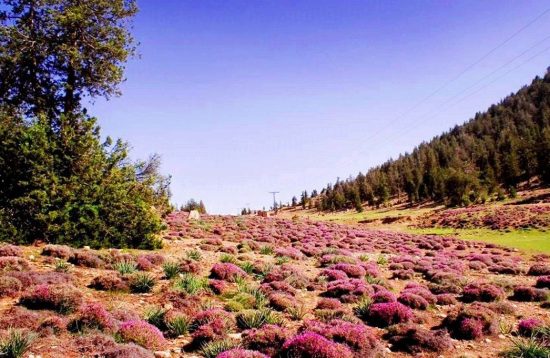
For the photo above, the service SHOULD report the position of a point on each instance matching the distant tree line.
(192, 204)
(59, 182)
(487, 156)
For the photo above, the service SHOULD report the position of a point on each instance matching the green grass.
(529, 241)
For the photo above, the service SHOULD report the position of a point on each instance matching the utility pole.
(274, 200)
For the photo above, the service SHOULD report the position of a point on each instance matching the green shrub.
(16, 344)
(125, 267)
(156, 316)
(213, 349)
(191, 284)
(171, 269)
(226, 258)
(69, 188)
(178, 325)
(141, 282)
(194, 255)
(266, 250)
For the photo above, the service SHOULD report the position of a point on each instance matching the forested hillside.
(488, 155)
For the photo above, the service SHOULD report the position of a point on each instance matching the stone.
(194, 215)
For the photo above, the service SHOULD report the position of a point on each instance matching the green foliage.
(16, 344)
(178, 325)
(171, 269)
(125, 267)
(297, 313)
(191, 284)
(247, 267)
(362, 307)
(142, 282)
(194, 255)
(67, 188)
(226, 258)
(527, 348)
(192, 204)
(266, 250)
(213, 349)
(257, 318)
(156, 316)
(61, 266)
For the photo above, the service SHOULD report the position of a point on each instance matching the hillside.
(486, 157)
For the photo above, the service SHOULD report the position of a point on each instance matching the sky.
(241, 98)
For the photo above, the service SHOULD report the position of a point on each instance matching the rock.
(194, 215)
(86, 248)
(163, 354)
(501, 336)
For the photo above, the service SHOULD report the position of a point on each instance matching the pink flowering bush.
(313, 345)
(241, 353)
(13, 263)
(387, 314)
(268, 339)
(86, 258)
(415, 340)
(356, 336)
(93, 316)
(109, 282)
(60, 251)
(351, 270)
(349, 290)
(142, 333)
(227, 272)
(529, 294)
(543, 282)
(289, 252)
(528, 327)
(60, 298)
(413, 301)
(9, 286)
(482, 292)
(471, 322)
(10, 250)
(539, 270)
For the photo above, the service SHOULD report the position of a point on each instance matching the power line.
(483, 57)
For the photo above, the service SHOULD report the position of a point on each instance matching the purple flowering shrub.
(109, 282)
(13, 263)
(227, 272)
(10, 250)
(350, 290)
(356, 336)
(387, 314)
(529, 294)
(241, 353)
(351, 270)
(313, 345)
(543, 282)
(268, 339)
(59, 251)
(9, 286)
(470, 322)
(60, 298)
(539, 270)
(93, 316)
(413, 301)
(415, 339)
(528, 327)
(290, 252)
(482, 292)
(142, 333)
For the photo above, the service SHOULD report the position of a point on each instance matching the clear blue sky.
(244, 97)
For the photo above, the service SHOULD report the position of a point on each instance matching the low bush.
(257, 318)
(268, 339)
(93, 316)
(191, 284)
(543, 282)
(61, 298)
(60, 251)
(528, 327)
(10, 250)
(309, 344)
(142, 333)
(215, 348)
(415, 339)
(16, 344)
(171, 269)
(9, 286)
(471, 322)
(539, 270)
(529, 294)
(413, 301)
(241, 353)
(13, 263)
(387, 314)
(227, 272)
(85, 258)
(109, 282)
(482, 292)
(141, 282)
